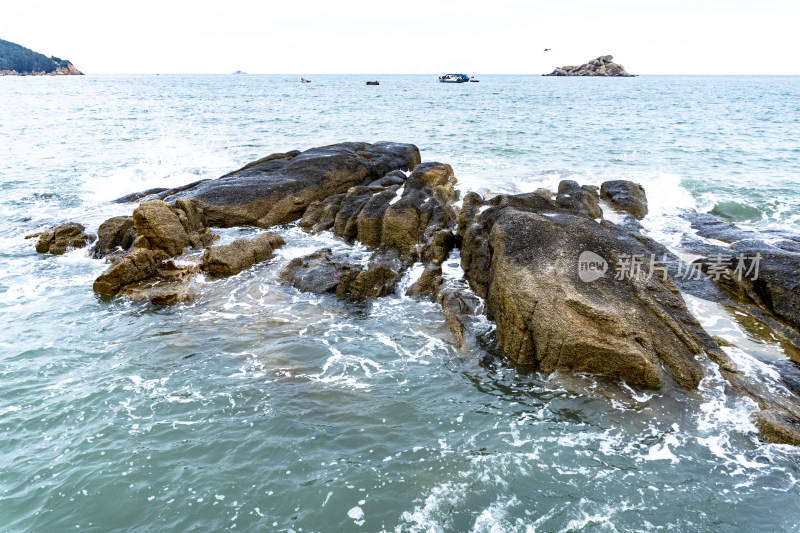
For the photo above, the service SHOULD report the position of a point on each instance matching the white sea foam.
(357, 514)
(169, 161)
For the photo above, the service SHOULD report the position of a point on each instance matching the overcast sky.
(409, 36)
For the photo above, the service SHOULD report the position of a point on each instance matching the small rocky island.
(601, 66)
(16, 60)
(536, 264)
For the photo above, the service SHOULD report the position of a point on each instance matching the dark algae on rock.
(544, 266)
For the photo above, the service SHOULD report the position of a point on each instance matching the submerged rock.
(170, 285)
(456, 305)
(318, 272)
(57, 240)
(326, 272)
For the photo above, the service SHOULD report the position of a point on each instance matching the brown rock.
(396, 177)
(370, 218)
(278, 189)
(437, 248)
(158, 293)
(428, 283)
(456, 307)
(170, 271)
(59, 239)
(584, 199)
(138, 265)
(375, 281)
(117, 233)
(319, 272)
(158, 227)
(401, 222)
(230, 259)
(777, 427)
(430, 174)
(346, 223)
(634, 329)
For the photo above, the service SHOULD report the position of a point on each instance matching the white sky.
(409, 36)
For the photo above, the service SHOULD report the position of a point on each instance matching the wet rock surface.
(327, 272)
(59, 239)
(547, 316)
(230, 259)
(760, 277)
(277, 189)
(115, 234)
(625, 196)
(138, 265)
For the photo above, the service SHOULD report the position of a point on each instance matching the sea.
(260, 408)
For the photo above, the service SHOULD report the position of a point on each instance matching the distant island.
(602, 66)
(16, 60)
(240, 72)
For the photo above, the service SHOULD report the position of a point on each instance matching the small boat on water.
(303, 80)
(473, 80)
(376, 82)
(454, 78)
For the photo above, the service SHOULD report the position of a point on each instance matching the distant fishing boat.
(303, 80)
(473, 80)
(454, 78)
(376, 82)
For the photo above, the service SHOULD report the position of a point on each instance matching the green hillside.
(14, 57)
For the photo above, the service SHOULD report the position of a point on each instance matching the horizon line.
(397, 74)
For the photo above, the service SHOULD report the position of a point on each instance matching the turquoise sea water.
(260, 408)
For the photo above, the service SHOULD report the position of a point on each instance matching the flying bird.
(546, 49)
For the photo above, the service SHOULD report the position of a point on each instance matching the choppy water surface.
(261, 408)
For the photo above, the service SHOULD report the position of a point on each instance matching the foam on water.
(263, 408)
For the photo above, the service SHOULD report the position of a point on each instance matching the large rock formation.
(415, 224)
(523, 255)
(273, 190)
(279, 188)
(568, 290)
(601, 66)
